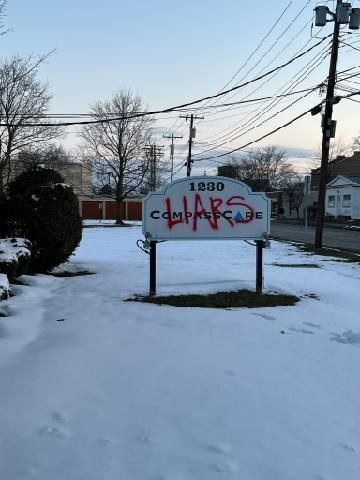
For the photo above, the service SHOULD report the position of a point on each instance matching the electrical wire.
(257, 48)
(269, 107)
(290, 84)
(169, 109)
(275, 130)
(256, 126)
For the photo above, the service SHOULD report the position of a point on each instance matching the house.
(346, 166)
(342, 197)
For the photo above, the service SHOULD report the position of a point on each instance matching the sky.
(175, 52)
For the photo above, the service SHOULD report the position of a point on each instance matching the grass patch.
(235, 299)
(296, 265)
(66, 273)
(341, 255)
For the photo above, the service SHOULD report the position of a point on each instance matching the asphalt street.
(332, 237)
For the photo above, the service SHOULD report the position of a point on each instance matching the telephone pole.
(172, 136)
(153, 152)
(192, 134)
(343, 14)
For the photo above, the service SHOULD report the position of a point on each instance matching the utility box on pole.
(343, 13)
(320, 16)
(355, 19)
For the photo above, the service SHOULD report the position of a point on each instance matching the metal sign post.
(259, 266)
(152, 290)
(307, 181)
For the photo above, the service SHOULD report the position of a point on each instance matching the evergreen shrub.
(44, 210)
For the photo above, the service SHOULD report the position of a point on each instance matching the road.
(333, 237)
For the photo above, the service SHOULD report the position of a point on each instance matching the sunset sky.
(175, 52)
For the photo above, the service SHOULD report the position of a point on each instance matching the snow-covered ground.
(96, 388)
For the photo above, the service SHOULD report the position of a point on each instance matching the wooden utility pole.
(172, 136)
(153, 152)
(327, 128)
(191, 136)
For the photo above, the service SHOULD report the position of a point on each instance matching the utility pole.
(153, 152)
(344, 14)
(172, 136)
(192, 134)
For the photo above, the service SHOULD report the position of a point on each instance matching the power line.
(277, 39)
(257, 48)
(269, 107)
(290, 84)
(256, 126)
(174, 108)
(275, 130)
(279, 53)
(350, 45)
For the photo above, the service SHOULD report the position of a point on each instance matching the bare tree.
(294, 187)
(356, 142)
(23, 100)
(53, 156)
(3, 5)
(263, 169)
(338, 148)
(114, 149)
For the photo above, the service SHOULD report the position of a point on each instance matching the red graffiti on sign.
(213, 212)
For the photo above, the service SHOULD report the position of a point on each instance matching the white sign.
(202, 208)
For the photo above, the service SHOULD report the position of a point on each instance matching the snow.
(96, 388)
(4, 286)
(11, 249)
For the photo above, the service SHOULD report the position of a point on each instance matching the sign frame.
(244, 189)
(151, 241)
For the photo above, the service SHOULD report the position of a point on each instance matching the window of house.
(346, 201)
(331, 201)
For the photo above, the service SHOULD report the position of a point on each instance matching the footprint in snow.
(301, 330)
(226, 467)
(144, 439)
(347, 447)
(219, 448)
(60, 417)
(264, 315)
(313, 325)
(106, 441)
(348, 337)
(53, 432)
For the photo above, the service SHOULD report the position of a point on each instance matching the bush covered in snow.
(15, 254)
(4, 287)
(40, 207)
